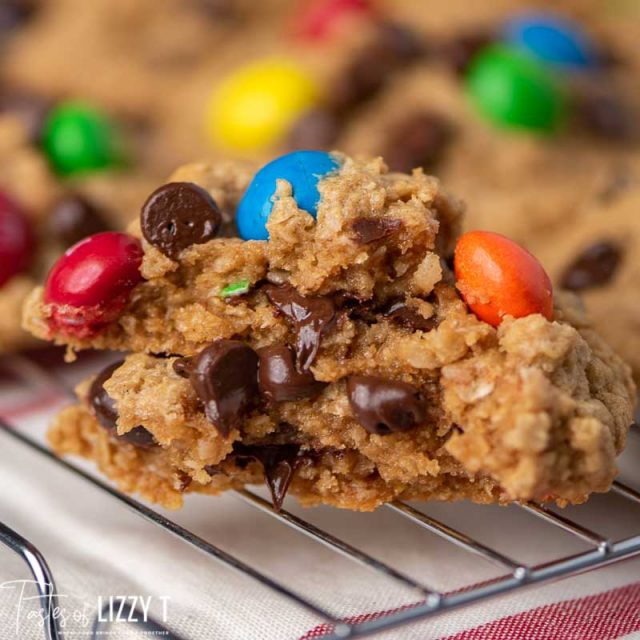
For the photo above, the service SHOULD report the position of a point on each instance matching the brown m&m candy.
(178, 215)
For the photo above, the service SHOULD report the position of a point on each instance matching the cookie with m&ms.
(334, 356)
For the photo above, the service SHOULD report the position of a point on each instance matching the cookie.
(341, 360)
(393, 82)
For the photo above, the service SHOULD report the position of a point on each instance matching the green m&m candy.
(78, 138)
(514, 91)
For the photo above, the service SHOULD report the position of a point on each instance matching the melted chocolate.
(408, 317)
(279, 461)
(224, 376)
(368, 230)
(384, 406)
(311, 317)
(279, 379)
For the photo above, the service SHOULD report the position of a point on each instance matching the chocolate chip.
(368, 230)
(104, 408)
(458, 52)
(400, 41)
(311, 317)
(74, 218)
(594, 267)
(279, 379)
(408, 317)
(224, 375)
(383, 406)
(604, 114)
(417, 141)
(31, 109)
(371, 67)
(183, 367)
(279, 463)
(316, 129)
(361, 79)
(14, 13)
(178, 215)
(347, 300)
(184, 481)
(106, 413)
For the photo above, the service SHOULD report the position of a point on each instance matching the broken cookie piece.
(343, 372)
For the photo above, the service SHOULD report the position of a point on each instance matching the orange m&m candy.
(498, 278)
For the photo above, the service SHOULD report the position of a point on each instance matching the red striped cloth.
(605, 616)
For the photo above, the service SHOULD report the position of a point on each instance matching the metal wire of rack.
(517, 575)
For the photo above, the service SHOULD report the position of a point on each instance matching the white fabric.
(96, 547)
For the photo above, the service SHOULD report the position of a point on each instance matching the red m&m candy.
(91, 283)
(498, 278)
(16, 239)
(319, 19)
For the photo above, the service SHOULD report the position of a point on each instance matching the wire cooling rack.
(517, 575)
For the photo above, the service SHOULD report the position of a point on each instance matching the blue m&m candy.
(302, 169)
(553, 40)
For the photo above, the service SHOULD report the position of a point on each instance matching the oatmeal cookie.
(340, 359)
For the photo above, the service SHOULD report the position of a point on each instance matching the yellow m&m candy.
(255, 107)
